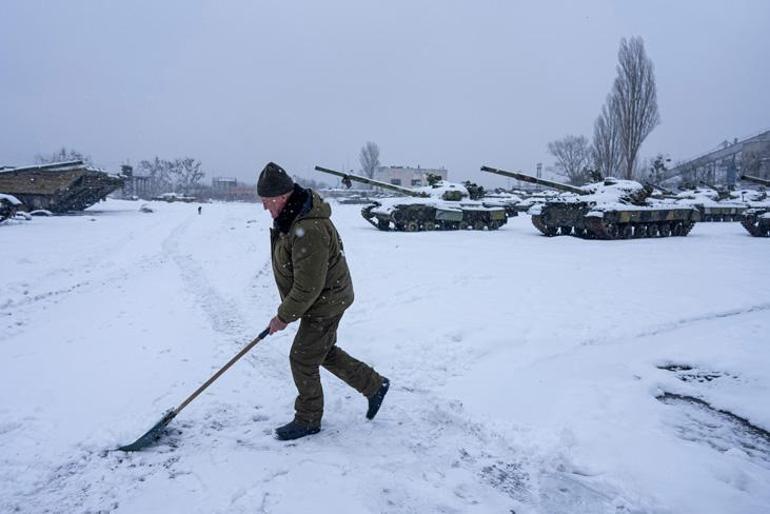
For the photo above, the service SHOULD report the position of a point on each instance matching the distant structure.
(750, 156)
(229, 189)
(58, 186)
(174, 197)
(408, 176)
(134, 185)
(223, 185)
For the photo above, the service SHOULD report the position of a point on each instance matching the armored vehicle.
(512, 203)
(58, 187)
(611, 209)
(756, 219)
(440, 206)
(713, 204)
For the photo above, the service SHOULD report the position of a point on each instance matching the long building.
(750, 156)
(408, 176)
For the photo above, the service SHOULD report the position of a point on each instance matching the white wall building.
(407, 176)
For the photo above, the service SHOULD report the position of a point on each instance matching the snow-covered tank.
(440, 206)
(714, 203)
(611, 209)
(756, 219)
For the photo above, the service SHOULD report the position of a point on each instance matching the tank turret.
(610, 209)
(440, 206)
(722, 193)
(623, 191)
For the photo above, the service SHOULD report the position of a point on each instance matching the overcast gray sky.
(440, 83)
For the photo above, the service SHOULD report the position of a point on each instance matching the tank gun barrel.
(534, 180)
(365, 180)
(756, 180)
(660, 188)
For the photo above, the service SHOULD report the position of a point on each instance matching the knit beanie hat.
(274, 181)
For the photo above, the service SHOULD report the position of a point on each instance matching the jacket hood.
(319, 208)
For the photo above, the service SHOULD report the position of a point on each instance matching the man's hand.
(276, 325)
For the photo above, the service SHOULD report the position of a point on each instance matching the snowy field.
(528, 374)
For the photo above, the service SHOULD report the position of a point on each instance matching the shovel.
(156, 431)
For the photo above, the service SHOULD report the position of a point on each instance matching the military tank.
(756, 219)
(611, 209)
(714, 204)
(441, 206)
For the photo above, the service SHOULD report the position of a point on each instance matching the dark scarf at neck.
(299, 202)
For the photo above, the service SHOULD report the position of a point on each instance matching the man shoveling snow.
(315, 287)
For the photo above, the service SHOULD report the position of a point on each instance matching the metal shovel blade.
(152, 434)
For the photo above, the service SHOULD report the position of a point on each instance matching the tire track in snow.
(224, 315)
(672, 326)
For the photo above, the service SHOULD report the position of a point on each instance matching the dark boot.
(295, 430)
(375, 400)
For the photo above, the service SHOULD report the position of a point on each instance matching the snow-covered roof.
(10, 199)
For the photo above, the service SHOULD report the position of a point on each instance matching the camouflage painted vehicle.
(509, 201)
(756, 219)
(8, 206)
(713, 204)
(611, 209)
(443, 206)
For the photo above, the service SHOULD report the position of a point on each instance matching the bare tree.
(187, 172)
(605, 150)
(369, 158)
(159, 172)
(634, 101)
(62, 155)
(572, 158)
(178, 175)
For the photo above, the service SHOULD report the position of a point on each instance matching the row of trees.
(182, 175)
(628, 116)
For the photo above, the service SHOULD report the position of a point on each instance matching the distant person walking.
(315, 287)
(200, 209)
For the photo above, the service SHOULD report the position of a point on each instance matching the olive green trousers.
(315, 346)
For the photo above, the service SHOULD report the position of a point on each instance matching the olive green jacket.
(309, 265)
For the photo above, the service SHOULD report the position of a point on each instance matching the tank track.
(755, 224)
(387, 224)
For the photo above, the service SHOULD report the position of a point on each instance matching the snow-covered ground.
(525, 370)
